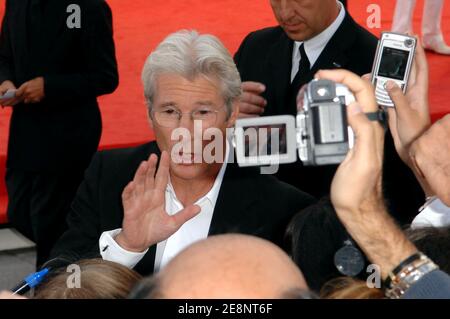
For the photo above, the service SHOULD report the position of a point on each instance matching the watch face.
(349, 261)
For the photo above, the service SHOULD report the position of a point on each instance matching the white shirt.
(434, 214)
(193, 230)
(315, 46)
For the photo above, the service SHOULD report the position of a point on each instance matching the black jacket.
(78, 64)
(266, 56)
(248, 203)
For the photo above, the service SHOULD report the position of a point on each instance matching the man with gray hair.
(141, 206)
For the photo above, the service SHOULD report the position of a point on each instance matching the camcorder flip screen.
(265, 140)
(393, 63)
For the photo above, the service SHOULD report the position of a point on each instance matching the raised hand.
(146, 221)
(410, 118)
(357, 182)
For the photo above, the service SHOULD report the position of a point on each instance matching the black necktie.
(304, 65)
(302, 77)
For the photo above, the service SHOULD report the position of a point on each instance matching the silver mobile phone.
(393, 61)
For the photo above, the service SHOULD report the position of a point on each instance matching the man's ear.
(234, 114)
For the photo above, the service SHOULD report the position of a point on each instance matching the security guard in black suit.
(59, 55)
(266, 57)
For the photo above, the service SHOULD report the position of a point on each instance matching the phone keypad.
(382, 96)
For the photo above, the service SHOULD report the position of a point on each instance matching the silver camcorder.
(319, 133)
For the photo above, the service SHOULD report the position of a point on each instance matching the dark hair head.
(313, 237)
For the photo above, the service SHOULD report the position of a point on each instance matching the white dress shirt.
(315, 46)
(433, 214)
(193, 230)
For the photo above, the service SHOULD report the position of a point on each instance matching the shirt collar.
(315, 46)
(213, 193)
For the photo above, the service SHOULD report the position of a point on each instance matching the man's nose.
(286, 10)
(186, 121)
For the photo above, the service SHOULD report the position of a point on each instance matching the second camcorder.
(319, 134)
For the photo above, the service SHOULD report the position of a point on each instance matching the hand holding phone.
(393, 62)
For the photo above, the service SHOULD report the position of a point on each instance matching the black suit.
(248, 203)
(266, 56)
(77, 65)
(52, 142)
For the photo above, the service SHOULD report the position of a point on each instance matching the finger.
(150, 177)
(255, 87)
(250, 108)
(127, 193)
(422, 64)
(247, 116)
(184, 215)
(139, 179)
(21, 90)
(363, 91)
(252, 98)
(366, 143)
(162, 175)
(397, 96)
(403, 111)
(8, 102)
(367, 77)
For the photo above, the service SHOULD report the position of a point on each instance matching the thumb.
(186, 214)
(397, 96)
(127, 193)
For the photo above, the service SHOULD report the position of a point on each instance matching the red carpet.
(141, 24)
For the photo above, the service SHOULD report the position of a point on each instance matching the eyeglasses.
(170, 117)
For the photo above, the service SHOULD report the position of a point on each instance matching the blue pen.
(30, 281)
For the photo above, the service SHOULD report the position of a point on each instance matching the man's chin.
(186, 171)
(297, 35)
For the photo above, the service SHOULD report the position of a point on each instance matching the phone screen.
(393, 63)
(265, 140)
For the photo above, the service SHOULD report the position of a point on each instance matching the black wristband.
(403, 264)
(380, 116)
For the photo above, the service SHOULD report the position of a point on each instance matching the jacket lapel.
(334, 55)
(279, 65)
(236, 200)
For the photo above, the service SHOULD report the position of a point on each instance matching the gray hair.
(189, 54)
